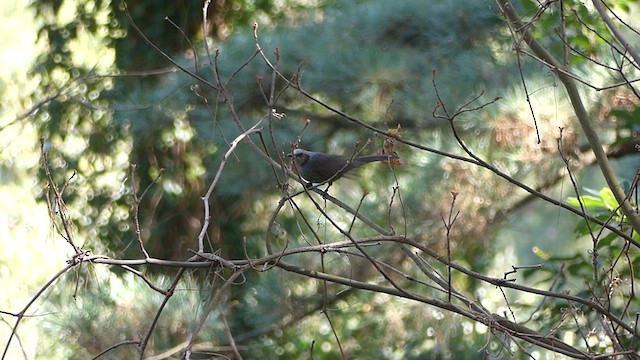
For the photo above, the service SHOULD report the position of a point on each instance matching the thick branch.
(616, 32)
(576, 101)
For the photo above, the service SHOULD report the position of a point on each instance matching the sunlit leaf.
(608, 199)
(587, 201)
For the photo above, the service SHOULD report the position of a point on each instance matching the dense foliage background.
(125, 117)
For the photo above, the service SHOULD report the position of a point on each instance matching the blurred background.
(78, 76)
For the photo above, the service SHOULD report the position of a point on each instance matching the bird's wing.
(332, 167)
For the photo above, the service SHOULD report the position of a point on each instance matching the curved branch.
(473, 161)
(581, 113)
(22, 312)
(276, 259)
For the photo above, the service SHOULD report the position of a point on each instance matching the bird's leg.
(325, 193)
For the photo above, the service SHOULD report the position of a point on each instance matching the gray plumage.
(318, 168)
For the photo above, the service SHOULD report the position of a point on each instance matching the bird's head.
(301, 156)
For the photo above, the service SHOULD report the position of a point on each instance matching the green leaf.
(608, 199)
(629, 119)
(588, 201)
(607, 240)
(581, 41)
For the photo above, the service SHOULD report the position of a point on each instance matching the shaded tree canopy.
(509, 224)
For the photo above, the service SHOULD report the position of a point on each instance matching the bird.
(318, 168)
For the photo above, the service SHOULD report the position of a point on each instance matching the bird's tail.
(372, 158)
